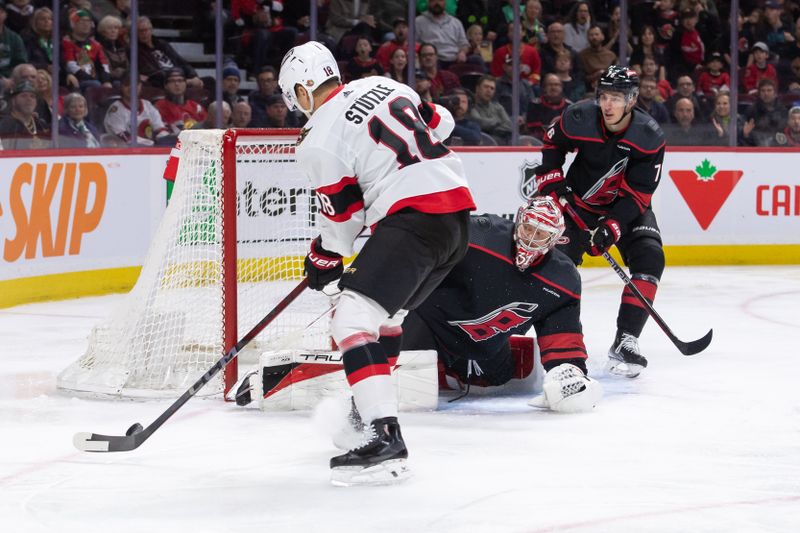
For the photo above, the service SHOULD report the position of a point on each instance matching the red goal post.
(230, 245)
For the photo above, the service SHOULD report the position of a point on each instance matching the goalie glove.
(567, 389)
(321, 266)
(551, 183)
(604, 236)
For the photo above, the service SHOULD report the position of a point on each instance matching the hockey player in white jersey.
(374, 154)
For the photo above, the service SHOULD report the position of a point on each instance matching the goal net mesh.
(169, 329)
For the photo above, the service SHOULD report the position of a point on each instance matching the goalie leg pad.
(567, 389)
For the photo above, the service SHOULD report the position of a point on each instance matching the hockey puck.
(134, 429)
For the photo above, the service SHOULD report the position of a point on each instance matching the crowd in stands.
(463, 58)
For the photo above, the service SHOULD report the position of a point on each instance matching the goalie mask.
(537, 228)
(308, 65)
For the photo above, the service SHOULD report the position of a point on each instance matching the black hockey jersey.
(613, 174)
(485, 299)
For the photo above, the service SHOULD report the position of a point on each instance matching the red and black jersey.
(485, 300)
(613, 173)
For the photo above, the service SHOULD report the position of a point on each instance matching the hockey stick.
(135, 436)
(686, 348)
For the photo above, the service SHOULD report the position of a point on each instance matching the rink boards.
(80, 223)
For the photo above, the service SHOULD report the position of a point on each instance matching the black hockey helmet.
(619, 79)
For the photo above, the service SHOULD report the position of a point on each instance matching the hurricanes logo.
(705, 189)
(496, 322)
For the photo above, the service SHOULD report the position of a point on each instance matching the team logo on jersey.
(705, 189)
(605, 190)
(527, 184)
(498, 321)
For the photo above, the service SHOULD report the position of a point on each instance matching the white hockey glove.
(567, 389)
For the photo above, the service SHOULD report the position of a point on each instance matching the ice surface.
(708, 443)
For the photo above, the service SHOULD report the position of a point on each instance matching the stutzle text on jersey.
(366, 103)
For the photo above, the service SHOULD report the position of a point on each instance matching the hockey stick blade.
(694, 347)
(136, 435)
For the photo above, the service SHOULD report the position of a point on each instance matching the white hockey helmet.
(537, 229)
(310, 65)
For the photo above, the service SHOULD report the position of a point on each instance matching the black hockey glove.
(551, 183)
(322, 266)
(604, 236)
(426, 111)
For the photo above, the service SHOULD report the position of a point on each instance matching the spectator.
(791, 134)
(713, 79)
(444, 32)
(351, 17)
(555, 45)
(647, 48)
(20, 13)
(241, 114)
(648, 100)
(551, 104)
(231, 80)
(362, 64)
(468, 131)
(177, 112)
(530, 64)
(73, 129)
(504, 91)
(12, 49)
(481, 50)
(150, 128)
(38, 38)
(442, 81)
(533, 32)
(595, 59)
(398, 64)
(773, 30)
(211, 117)
(574, 89)
(686, 49)
(722, 120)
(759, 69)
(666, 24)
(109, 35)
(156, 57)
(576, 30)
(386, 50)
(651, 68)
(277, 112)
(765, 118)
(423, 86)
(686, 89)
(21, 129)
(489, 114)
(85, 62)
(684, 132)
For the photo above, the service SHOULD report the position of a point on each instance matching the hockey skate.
(380, 460)
(624, 357)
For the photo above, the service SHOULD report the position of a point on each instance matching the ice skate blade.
(386, 473)
(620, 368)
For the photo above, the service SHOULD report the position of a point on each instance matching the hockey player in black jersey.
(620, 150)
(509, 282)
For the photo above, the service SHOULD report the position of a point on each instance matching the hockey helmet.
(309, 65)
(537, 228)
(619, 79)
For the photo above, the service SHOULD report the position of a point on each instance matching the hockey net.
(229, 247)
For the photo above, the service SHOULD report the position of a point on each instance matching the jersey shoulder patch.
(581, 120)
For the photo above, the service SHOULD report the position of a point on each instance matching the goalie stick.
(136, 435)
(686, 348)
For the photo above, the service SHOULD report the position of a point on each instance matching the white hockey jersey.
(149, 122)
(368, 154)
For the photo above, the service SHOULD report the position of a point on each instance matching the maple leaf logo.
(706, 171)
(705, 189)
